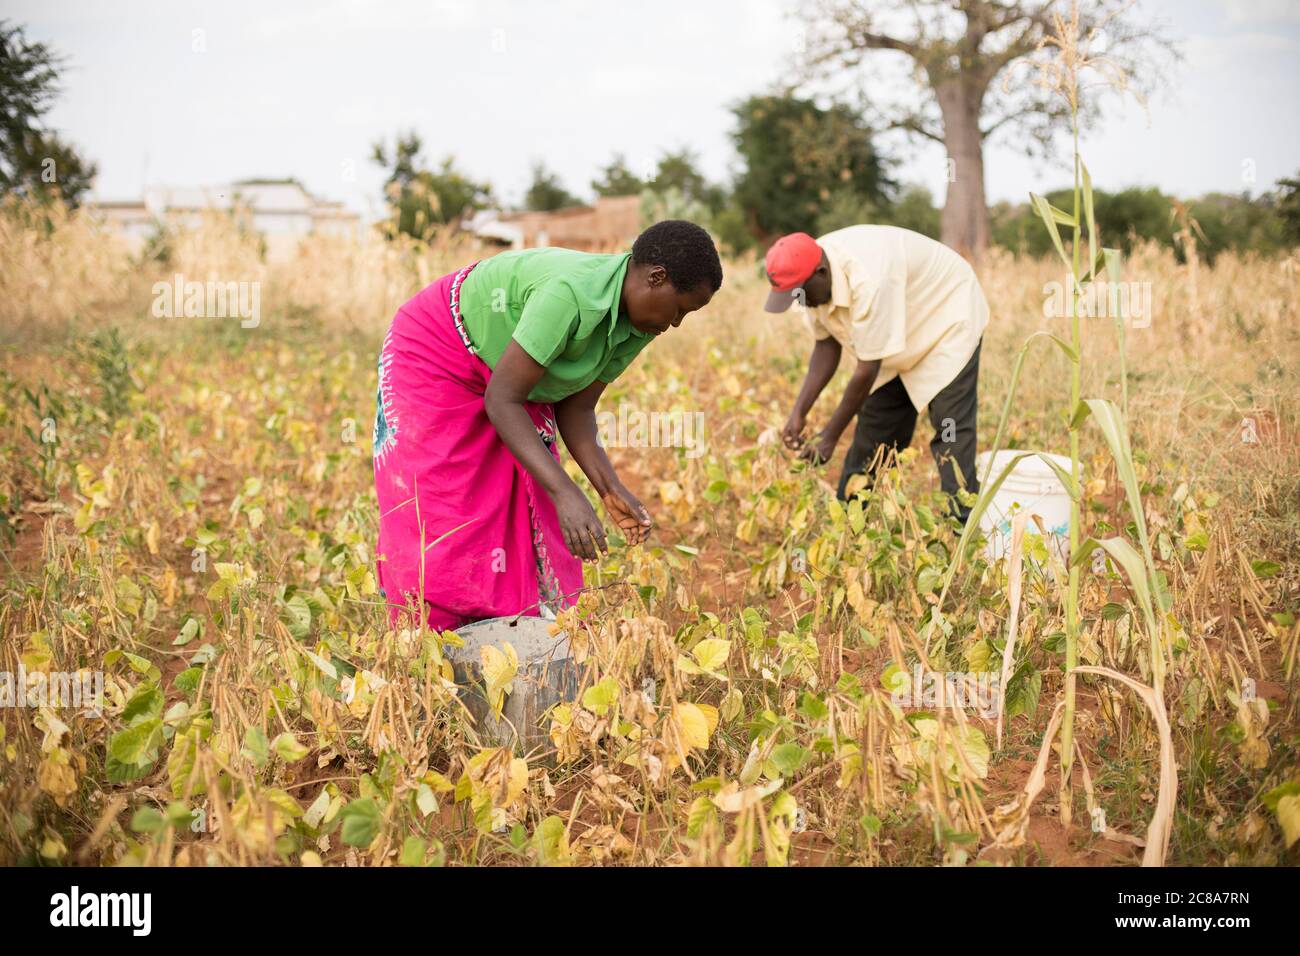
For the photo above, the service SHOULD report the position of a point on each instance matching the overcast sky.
(183, 92)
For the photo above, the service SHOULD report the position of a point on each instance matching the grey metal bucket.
(547, 676)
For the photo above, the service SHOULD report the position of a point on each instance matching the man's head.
(799, 271)
(675, 270)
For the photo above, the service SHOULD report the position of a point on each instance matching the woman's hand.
(792, 434)
(628, 513)
(583, 533)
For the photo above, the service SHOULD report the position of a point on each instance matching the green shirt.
(561, 307)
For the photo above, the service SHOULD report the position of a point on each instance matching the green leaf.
(180, 765)
(702, 811)
(138, 664)
(1051, 216)
(297, 616)
(1288, 789)
(1065, 477)
(361, 821)
(600, 697)
(137, 742)
(1111, 422)
(927, 579)
(812, 707)
(1090, 218)
(147, 701)
(119, 772)
(857, 517)
(288, 747)
(188, 679)
(147, 820)
(413, 851)
(551, 842)
(256, 748)
(711, 654)
(1265, 569)
(788, 758)
(189, 630)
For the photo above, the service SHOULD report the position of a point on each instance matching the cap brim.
(780, 301)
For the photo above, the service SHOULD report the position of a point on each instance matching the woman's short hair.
(685, 251)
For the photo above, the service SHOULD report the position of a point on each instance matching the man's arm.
(821, 369)
(576, 418)
(515, 375)
(859, 387)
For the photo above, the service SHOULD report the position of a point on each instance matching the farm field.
(188, 508)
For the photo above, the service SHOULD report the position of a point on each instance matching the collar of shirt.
(620, 326)
(841, 297)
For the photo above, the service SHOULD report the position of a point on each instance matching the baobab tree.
(963, 86)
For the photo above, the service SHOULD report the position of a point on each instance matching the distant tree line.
(811, 168)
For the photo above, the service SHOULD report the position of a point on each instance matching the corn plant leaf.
(1051, 216)
(1066, 478)
(1091, 219)
(1114, 264)
(1111, 422)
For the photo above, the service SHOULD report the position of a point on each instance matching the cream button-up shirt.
(905, 299)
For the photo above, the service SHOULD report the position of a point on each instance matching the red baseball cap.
(789, 263)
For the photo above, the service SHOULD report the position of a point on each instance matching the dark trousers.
(888, 418)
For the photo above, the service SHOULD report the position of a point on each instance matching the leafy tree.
(420, 199)
(34, 160)
(1287, 204)
(677, 173)
(1239, 223)
(616, 179)
(956, 87)
(546, 193)
(805, 167)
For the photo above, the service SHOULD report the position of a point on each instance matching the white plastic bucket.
(1032, 486)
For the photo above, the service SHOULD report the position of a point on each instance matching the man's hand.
(792, 434)
(628, 513)
(820, 449)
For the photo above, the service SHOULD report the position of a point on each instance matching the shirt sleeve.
(623, 355)
(878, 314)
(815, 325)
(547, 324)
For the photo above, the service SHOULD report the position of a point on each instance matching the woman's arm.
(576, 418)
(515, 375)
(821, 369)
